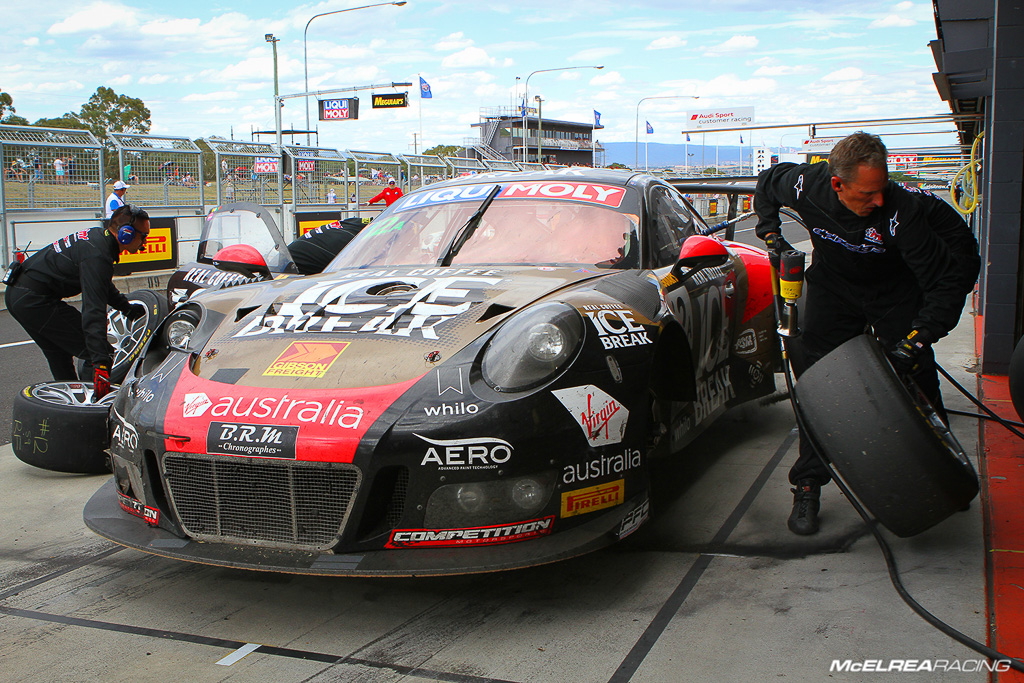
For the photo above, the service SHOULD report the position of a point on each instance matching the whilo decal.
(460, 408)
(449, 379)
(482, 535)
(593, 498)
(604, 466)
(602, 418)
(264, 441)
(482, 453)
(346, 306)
(616, 328)
(306, 359)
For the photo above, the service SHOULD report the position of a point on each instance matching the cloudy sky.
(204, 68)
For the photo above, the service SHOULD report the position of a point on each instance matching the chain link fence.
(50, 168)
(246, 171)
(162, 170)
(316, 176)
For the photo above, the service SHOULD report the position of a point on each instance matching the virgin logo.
(600, 416)
(195, 405)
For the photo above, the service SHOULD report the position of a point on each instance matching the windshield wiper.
(467, 230)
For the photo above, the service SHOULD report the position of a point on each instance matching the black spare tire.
(889, 446)
(129, 337)
(56, 426)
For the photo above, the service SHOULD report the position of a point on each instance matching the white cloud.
(850, 73)
(167, 28)
(120, 80)
(211, 96)
(892, 21)
(783, 70)
(99, 16)
(665, 43)
(728, 85)
(736, 44)
(57, 87)
(595, 54)
(454, 41)
(468, 58)
(607, 78)
(155, 79)
(30, 42)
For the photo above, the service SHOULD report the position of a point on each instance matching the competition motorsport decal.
(600, 416)
(481, 535)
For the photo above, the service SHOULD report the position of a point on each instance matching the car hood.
(358, 328)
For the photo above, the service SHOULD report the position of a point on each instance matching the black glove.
(777, 243)
(135, 311)
(100, 382)
(904, 355)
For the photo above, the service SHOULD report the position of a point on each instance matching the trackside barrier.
(317, 176)
(246, 171)
(162, 170)
(424, 169)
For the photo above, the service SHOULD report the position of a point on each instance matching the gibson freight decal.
(593, 498)
(483, 535)
(306, 359)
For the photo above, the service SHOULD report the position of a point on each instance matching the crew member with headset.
(80, 263)
(314, 250)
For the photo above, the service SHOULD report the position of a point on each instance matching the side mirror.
(244, 259)
(697, 253)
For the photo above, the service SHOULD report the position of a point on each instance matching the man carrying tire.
(901, 261)
(81, 263)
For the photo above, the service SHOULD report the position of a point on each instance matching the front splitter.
(105, 517)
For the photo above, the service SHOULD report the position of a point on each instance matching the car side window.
(670, 224)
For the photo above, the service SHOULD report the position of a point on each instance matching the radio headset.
(126, 233)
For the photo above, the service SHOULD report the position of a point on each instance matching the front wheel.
(56, 426)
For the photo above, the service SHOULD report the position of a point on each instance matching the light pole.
(636, 143)
(277, 122)
(273, 41)
(540, 137)
(526, 96)
(305, 57)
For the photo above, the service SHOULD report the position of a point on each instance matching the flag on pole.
(597, 119)
(687, 137)
(425, 93)
(741, 139)
(650, 128)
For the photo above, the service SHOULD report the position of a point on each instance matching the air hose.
(967, 177)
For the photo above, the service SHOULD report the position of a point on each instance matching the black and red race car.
(476, 383)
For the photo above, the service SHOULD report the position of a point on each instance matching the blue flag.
(522, 108)
(597, 119)
(425, 93)
(687, 137)
(741, 139)
(650, 128)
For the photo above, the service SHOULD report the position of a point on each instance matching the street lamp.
(273, 41)
(305, 58)
(636, 143)
(526, 96)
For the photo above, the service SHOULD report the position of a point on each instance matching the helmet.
(241, 258)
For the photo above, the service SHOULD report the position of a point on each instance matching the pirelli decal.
(593, 498)
(392, 100)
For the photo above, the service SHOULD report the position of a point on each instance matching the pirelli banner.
(161, 251)
(392, 100)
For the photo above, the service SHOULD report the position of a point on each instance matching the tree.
(7, 110)
(445, 151)
(106, 110)
(617, 165)
(68, 120)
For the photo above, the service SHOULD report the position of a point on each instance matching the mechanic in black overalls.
(81, 263)
(318, 247)
(902, 261)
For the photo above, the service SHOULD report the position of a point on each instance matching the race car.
(478, 382)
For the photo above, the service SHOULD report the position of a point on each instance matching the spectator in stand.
(58, 169)
(389, 194)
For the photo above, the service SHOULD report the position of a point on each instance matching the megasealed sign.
(391, 100)
(342, 109)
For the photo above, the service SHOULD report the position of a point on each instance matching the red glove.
(100, 382)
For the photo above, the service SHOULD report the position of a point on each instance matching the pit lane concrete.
(713, 587)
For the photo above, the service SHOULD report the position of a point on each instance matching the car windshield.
(511, 231)
(240, 226)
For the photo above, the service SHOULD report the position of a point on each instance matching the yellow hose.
(967, 177)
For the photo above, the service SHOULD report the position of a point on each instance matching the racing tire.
(1016, 377)
(889, 446)
(129, 338)
(56, 426)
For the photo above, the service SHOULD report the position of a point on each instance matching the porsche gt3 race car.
(476, 383)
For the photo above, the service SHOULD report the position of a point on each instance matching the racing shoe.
(806, 503)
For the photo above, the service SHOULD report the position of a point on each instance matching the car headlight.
(179, 328)
(532, 347)
(488, 502)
